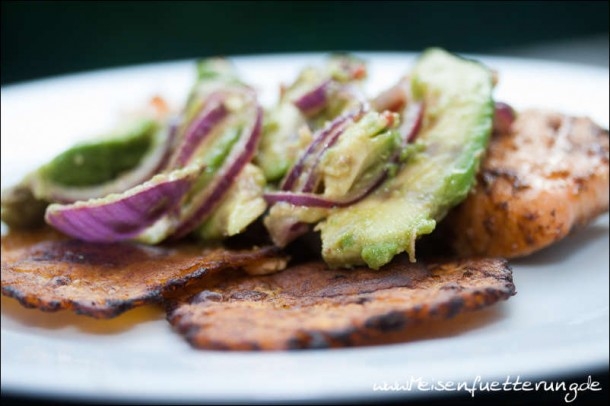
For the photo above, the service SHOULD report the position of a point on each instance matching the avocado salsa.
(369, 179)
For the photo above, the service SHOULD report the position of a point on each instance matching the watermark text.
(570, 390)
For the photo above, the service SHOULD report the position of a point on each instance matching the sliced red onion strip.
(305, 196)
(212, 113)
(354, 68)
(122, 216)
(313, 175)
(300, 199)
(207, 200)
(172, 135)
(313, 101)
(320, 137)
(413, 116)
(315, 200)
(394, 99)
(288, 232)
(504, 116)
(350, 91)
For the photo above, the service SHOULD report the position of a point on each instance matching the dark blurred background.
(55, 37)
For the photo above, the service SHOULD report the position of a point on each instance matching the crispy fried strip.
(538, 183)
(50, 272)
(311, 306)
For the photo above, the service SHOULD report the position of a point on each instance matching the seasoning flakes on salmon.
(538, 182)
(45, 270)
(311, 306)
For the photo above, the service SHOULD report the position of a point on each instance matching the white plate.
(556, 324)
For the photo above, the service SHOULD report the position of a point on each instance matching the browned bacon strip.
(311, 306)
(45, 270)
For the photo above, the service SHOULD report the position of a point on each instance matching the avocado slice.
(241, 206)
(282, 141)
(360, 154)
(457, 94)
(102, 160)
(361, 151)
(88, 169)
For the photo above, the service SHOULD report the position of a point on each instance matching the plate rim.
(11, 385)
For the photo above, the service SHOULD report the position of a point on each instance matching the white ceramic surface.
(556, 324)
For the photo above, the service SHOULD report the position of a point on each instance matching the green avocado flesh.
(281, 142)
(457, 95)
(102, 160)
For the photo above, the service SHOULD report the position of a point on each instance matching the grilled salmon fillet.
(539, 181)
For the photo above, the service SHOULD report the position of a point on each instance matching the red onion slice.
(351, 92)
(206, 200)
(284, 229)
(314, 176)
(314, 100)
(398, 99)
(212, 114)
(123, 216)
(504, 116)
(413, 117)
(342, 70)
(288, 230)
(394, 99)
(317, 146)
(306, 199)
